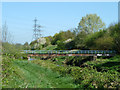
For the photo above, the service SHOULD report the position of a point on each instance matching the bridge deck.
(69, 52)
(70, 55)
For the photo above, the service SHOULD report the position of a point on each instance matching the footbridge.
(70, 52)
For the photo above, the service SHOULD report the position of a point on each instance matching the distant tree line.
(91, 34)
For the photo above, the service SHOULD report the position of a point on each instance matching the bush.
(7, 68)
(86, 77)
(11, 50)
(76, 61)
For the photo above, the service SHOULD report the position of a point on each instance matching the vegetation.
(50, 47)
(65, 72)
(91, 74)
(91, 23)
(12, 50)
(91, 34)
(22, 74)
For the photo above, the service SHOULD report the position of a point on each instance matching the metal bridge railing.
(69, 51)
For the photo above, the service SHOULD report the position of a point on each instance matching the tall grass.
(25, 74)
(88, 75)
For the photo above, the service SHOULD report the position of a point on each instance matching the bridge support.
(94, 57)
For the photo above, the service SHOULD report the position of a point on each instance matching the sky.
(52, 16)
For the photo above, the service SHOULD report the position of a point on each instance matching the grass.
(102, 73)
(30, 75)
(91, 74)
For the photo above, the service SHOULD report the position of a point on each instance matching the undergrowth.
(88, 75)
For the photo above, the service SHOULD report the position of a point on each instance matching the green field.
(52, 73)
(30, 75)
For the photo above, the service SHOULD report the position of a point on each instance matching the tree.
(48, 41)
(104, 43)
(62, 36)
(80, 40)
(55, 38)
(91, 23)
(26, 46)
(6, 36)
(60, 45)
(91, 38)
(114, 31)
(32, 44)
(70, 45)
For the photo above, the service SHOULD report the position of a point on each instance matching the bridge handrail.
(70, 51)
